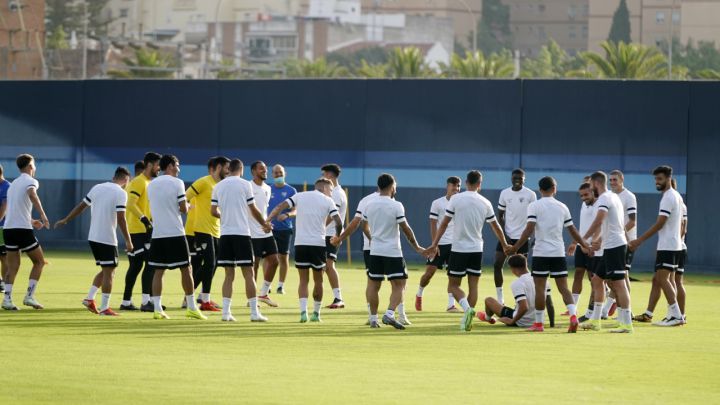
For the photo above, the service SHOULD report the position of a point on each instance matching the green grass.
(65, 354)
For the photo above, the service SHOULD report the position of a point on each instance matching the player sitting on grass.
(523, 290)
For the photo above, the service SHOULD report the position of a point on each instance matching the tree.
(407, 62)
(551, 62)
(58, 39)
(353, 60)
(703, 56)
(379, 70)
(493, 31)
(477, 65)
(626, 61)
(620, 29)
(69, 14)
(227, 70)
(708, 74)
(317, 68)
(142, 67)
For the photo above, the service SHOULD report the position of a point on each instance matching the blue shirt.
(277, 196)
(4, 186)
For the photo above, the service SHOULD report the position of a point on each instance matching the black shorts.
(681, 261)
(555, 267)
(264, 247)
(461, 264)
(330, 249)
(443, 257)
(581, 259)
(366, 258)
(105, 255)
(310, 256)
(282, 240)
(141, 245)
(507, 312)
(391, 267)
(593, 264)
(169, 253)
(629, 255)
(22, 240)
(3, 251)
(524, 249)
(235, 250)
(667, 260)
(612, 265)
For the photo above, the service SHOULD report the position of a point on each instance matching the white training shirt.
(232, 195)
(671, 206)
(550, 217)
(437, 212)
(384, 215)
(515, 205)
(613, 227)
(684, 245)
(18, 214)
(105, 201)
(340, 199)
(587, 216)
(629, 202)
(470, 211)
(523, 288)
(164, 194)
(262, 199)
(313, 208)
(360, 212)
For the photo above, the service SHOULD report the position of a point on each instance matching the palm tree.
(627, 61)
(148, 63)
(708, 74)
(475, 64)
(317, 68)
(407, 62)
(379, 70)
(551, 62)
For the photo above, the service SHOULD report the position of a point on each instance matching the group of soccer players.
(234, 223)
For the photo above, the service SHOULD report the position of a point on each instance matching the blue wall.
(420, 130)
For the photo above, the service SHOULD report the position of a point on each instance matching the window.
(676, 17)
(541, 8)
(123, 13)
(572, 12)
(585, 31)
(660, 17)
(541, 32)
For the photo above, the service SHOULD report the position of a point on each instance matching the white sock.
(157, 304)
(8, 292)
(204, 297)
(105, 301)
(576, 298)
(316, 306)
(337, 294)
(674, 311)
(649, 313)
(190, 301)
(126, 302)
(265, 288)
(32, 285)
(625, 314)
(281, 284)
(597, 311)
(572, 309)
(499, 292)
(464, 304)
(451, 300)
(588, 313)
(92, 293)
(539, 316)
(303, 304)
(145, 298)
(227, 302)
(253, 306)
(606, 307)
(390, 313)
(420, 291)
(373, 318)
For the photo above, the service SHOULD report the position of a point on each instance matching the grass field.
(65, 354)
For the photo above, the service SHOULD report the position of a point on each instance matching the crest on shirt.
(284, 193)
(522, 200)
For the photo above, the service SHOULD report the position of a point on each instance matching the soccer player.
(437, 212)
(523, 289)
(233, 202)
(283, 224)
(264, 245)
(332, 172)
(385, 218)
(582, 258)
(546, 218)
(18, 231)
(611, 270)
(4, 185)
(669, 247)
(168, 246)
(139, 167)
(469, 211)
(512, 216)
(206, 228)
(107, 203)
(140, 227)
(313, 209)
